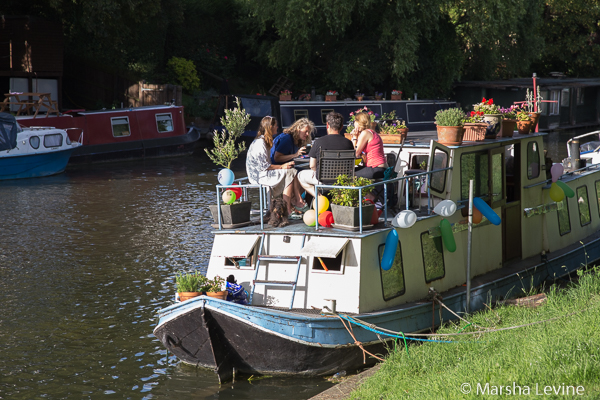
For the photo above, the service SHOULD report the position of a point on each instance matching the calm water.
(87, 258)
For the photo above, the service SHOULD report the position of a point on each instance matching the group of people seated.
(270, 159)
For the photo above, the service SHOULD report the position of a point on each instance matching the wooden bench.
(28, 104)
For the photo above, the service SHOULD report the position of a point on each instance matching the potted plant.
(345, 203)
(523, 121)
(491, 116)
(224, 152)
(214, 288)
(189, 285)
(534, 112)
(285, 95)
(449, 123)
(509, 121)
(331, 95)
(392, 129)
(396, 95)
(475, 127)
(350, 127)
(359, 96)
(378, 95)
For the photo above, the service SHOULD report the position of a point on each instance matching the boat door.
(439, 158)
(511, 210)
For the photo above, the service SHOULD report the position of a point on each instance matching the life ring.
(389, 251)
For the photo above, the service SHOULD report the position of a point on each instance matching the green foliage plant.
(450, 117)
(349, 197)
(372, 115)
(215, 284)
(523, 114)
(190, 282)
(226, 150)
(184, 72)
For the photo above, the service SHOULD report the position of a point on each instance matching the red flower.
(483, 100)
(480, 113)
(472, 113)
(490, 102)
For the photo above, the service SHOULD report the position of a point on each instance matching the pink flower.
(226, 57)
(351, 114)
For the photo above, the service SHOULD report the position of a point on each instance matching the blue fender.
(389, 251)
(486, 210)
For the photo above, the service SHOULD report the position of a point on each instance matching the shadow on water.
(87, 259)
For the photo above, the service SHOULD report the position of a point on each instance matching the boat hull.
(34, 165)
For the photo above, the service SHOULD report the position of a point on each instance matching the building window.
(392, 280)
(120, 126)
(565, 97)
(579, 95)
(433, 257)
(324, 113)
(533, 160)
(34, 142)
(54, 140)
(564, 224)
(554, 106)
(300, 114)
(583, 205)
(164, 122)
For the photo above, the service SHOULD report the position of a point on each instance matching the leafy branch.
(234, 123)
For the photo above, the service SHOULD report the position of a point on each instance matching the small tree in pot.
(345, 202)
(450, 124)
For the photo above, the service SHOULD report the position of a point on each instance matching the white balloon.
(404, 219)
(445, 208)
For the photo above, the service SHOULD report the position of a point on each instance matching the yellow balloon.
(323, 203)
(556, 193)
(309, 218)
(357, 161)
(228, 197)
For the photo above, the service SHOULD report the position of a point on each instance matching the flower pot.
(348, 217)
(396, 97)
(183, 296)
(494, 124)
(218, 295)
(232, 214)
(359, 98)
(285, 97)
(508, 127)
(450, 135)
(475, 132)
(523, 127)
(535, 117)
(329, 97)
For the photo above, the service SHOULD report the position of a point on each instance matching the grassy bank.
(556, 359)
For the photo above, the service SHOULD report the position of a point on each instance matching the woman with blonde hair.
(280, 178)
(369, 146)
(292, 142)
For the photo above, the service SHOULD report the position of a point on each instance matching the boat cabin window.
(34, 142)
(564, 223)
(392, 280)
(300, 114)
(554, 106)
(533, 160)
(328, 264)
(598, 195)
(242, 262)
(433, 257)
(164, 122)
(474, 166)
(565, 97)
(438, 179)
(324, 113)
(417, 160)
(584, 205)
(120, 126)
(579, 95)
(54, 140)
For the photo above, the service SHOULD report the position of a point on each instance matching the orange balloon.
(476, 215)
(326, 219)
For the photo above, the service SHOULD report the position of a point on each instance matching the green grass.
(560, 353)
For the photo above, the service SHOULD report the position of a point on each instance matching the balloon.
(486, 210)
(568, 191)
(309, 218)
(556, 193)
(445, 208)
(226, 177)
(389, 251)
(556, 171)
(323, 203)
(325, 219)
(357, 161)
(404, 219)
(447, 236)
(237, 191)
(476, 215)
(228, 197)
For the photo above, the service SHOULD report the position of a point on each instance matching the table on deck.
(27, 104)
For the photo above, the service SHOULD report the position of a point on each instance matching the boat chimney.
(575, 155)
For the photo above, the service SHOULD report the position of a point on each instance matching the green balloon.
(447, 236)
(568, 191)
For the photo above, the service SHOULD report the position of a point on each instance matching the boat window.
(584, 206)
(498, 170)
(544, 106)
(533, 160)
(327, 263)
(438, 179)
(554, 106)
(564, 224)
(120, 126)
(164, 122)
(300, 114)
(54, 140)
(598, 195)
(392, 280)
(326, 253)
(474, 166)
(565, 97)
(242, 262)
(433, 257)
(579, 95)
(324, 113)
(34, 142)
(257, 107)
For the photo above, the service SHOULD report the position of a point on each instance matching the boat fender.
(447, 235)
(486, 210)
(568, 191)
(389, 251)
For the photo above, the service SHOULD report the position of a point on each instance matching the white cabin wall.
(532, 228)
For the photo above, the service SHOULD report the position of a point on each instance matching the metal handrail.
(244, 187)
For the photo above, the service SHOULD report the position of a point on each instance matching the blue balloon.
(226, 177)
(486, 210)
(389, 251)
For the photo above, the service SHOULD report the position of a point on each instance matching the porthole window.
(34, 142)
(392, 280)
(433, 257)
(53, 140)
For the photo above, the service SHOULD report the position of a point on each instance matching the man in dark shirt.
(332, 141)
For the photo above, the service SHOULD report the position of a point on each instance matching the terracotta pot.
(183, 296)
(494, 124)
(475, 132)
(285, 97)
(535, 117)
(523, 127)
(450, 135)
(508, 127)
(218, 295)
(396, 97)
(359, 98)
(330, 98)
